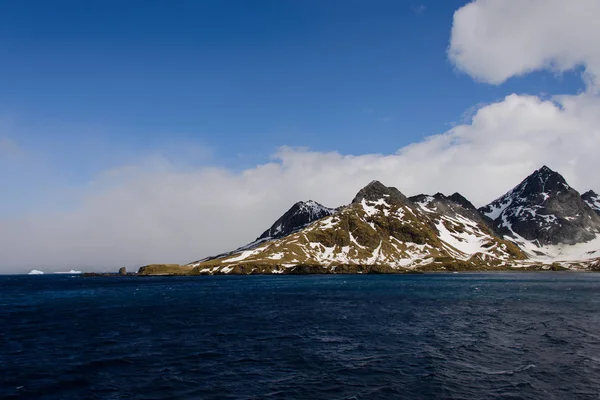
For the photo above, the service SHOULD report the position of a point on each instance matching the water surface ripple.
(452, 336)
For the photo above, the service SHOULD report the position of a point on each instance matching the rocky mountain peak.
(455, 198)
(376, 190)
(297, 217)
(460, 199)
(542, 185)
(449, 206)
(545, 209)
(544, 180)
(592, 199)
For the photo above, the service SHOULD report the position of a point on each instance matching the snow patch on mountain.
(467, 243)
(314, 210)
(496, 208)
(559, 252)
(467, 238)
(372, 207)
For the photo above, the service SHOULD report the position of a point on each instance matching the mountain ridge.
(382, 231)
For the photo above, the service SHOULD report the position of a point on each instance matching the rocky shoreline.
(303, 269)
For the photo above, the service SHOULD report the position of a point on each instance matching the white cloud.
(136, 214)
(493, 40)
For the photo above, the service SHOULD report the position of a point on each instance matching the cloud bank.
(157, 211)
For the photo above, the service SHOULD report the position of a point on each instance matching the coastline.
(155, 270)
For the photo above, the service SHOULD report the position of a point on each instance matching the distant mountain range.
(542, 223)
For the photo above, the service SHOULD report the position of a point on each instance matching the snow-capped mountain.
(448, 205)
(299, 216)
(380, 231)
(474, 237)
(592, 200)
(542, 223)
(546, 217)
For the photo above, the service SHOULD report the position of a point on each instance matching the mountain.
(546, 217)
(376, 191)
(542, 223)
(380, 231)
(300, 215)
(452, 206)
(458, 198)
(592, 200)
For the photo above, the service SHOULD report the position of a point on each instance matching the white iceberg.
(36, 272)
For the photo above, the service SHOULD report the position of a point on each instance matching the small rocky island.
(122, 272)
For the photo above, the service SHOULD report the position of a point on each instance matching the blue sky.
(236, 79)
(154, 131)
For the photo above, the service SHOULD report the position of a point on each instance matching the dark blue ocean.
(434, 336)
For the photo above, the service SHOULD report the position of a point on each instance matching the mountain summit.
(376, 190)
(297, 217)
(545, 210)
